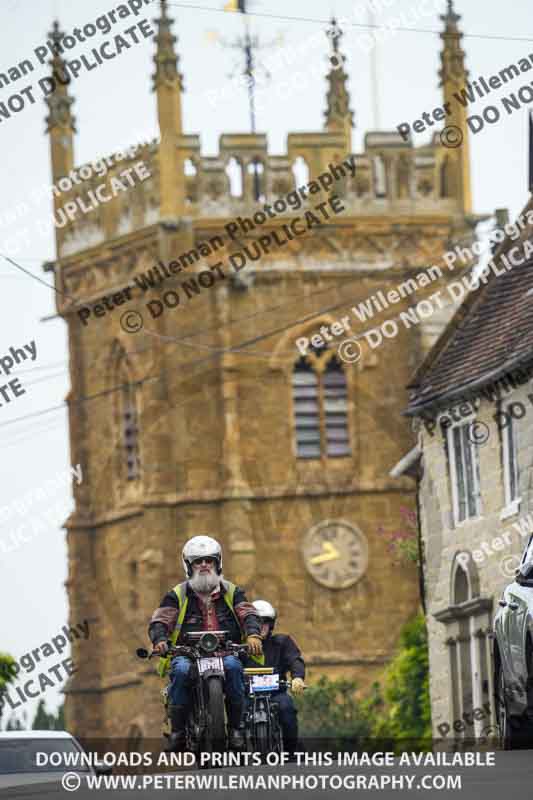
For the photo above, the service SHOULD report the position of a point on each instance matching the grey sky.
(115, 106)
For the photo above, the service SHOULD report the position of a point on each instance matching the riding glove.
(254, 643)
(297, 685)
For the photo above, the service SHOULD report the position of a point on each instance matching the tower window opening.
(130, 433)
(256, 171)
(300, 170)
(320, 403)
(380, 176)
(234, 173)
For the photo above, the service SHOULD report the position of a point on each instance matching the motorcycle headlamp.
(208, 642)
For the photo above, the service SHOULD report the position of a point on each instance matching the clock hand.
(330, 554)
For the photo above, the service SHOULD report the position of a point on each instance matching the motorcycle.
(205, 729)
(261, 718)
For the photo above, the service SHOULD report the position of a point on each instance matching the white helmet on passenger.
(267, 612)
(201, 547)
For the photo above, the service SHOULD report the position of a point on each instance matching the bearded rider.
(283, 654)
(204, 602)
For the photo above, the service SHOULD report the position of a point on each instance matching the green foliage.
(395, 716)
(406, 691)
(7, 675)
(48, 722)
(332, 710)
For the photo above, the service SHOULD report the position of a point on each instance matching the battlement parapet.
(391, 177)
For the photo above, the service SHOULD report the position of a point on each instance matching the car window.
(526, 564)
(20, 755)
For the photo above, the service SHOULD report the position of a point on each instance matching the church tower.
(196, 405)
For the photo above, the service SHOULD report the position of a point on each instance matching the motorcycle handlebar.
(176, 650)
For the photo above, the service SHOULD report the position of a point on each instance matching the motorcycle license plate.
(214, 662)
(265, 683)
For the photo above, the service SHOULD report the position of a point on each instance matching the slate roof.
(491, 333)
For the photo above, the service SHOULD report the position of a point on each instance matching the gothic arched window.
(461, 586)
(320, 407)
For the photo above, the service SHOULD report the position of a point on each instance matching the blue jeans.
(288, 720)
(179, 690)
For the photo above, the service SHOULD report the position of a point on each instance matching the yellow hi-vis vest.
(181, 592)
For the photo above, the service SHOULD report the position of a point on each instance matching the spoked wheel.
(215, 733)
(261, 744)
(192, 736)
(276, 734)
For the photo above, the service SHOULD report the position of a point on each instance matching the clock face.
(335, 554)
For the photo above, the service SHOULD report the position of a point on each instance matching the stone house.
(472, 405)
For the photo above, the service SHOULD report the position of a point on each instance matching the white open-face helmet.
(198, 547)
(267, 612)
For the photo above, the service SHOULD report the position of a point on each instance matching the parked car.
(19, 763)
(513, 657)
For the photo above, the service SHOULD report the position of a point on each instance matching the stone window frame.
(283, 359)
(510, 432)
(464, 422)
(318, 364)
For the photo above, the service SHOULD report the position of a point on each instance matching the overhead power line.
(238, 347)
(399, 28)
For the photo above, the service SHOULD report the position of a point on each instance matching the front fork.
(259, 711)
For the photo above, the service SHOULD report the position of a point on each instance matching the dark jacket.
(164, 618)
(282, 653)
